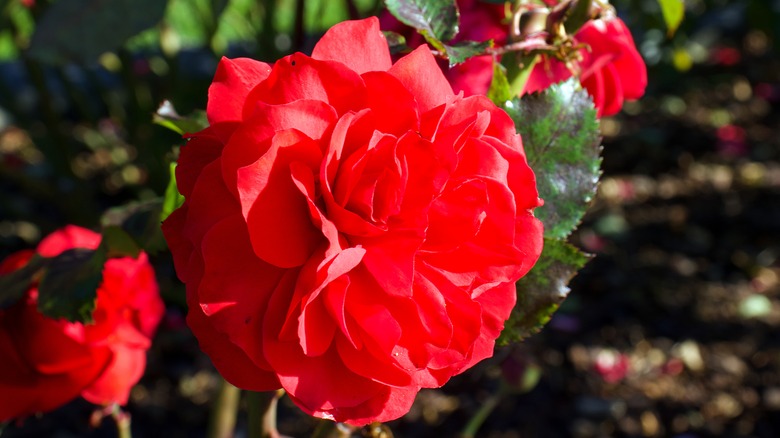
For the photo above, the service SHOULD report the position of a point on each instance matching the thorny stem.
(222, 422)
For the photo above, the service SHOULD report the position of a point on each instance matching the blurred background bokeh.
(671, 330)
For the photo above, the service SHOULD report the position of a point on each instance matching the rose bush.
(352, 229)
(609, 66)
(47, 362)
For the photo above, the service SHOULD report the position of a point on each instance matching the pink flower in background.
(47, 362)
(352, 230)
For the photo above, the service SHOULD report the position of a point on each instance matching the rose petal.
(233, 81)
(68, 237)
(455, 217)
(299, 77)
(236, 285)
(360, 45)
(180, 247)
(315, 327)
(423, 78)
(309, 117)
(231, 361)
(393, 108)
(346, 221)
(202, 148)
(125, 370)
(209, 204)
(497, 304)
(276, 214)
(26, 392)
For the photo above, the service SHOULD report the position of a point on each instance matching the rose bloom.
(352, 230)
(610, 69)
(47, 362)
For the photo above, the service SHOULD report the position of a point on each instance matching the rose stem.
(222, 421)
(122, 420)
(483, 413)
(261, 407)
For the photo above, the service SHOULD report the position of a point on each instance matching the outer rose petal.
(114, 384)
(358, 44)
(421, 75)
(230, 360)
(68, 237)
(233, 81)
(26, 392)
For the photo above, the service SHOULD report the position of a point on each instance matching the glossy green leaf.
(541, 291)
(82, 30)
(459, 53)
(673, 12)
(68, 287)
(437, 20)
(14, 284)
(166, 116)
(561, 138)
(173, 199)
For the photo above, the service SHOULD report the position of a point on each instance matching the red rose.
(48, 362)
(611, 69)
(352, 230)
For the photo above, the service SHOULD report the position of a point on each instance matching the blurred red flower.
(611, 68)
(352, 230)
(47, 362)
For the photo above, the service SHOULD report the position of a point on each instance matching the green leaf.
(541, 291)
(141, 222)
(173, 199)
(673, 12)
(82, 30)
(167, 117)
(14, 284)
(561, 138)
(68, 287)
(459, 53)
(395, 42)
(434, 19)
(499, 92)
(118, 243)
